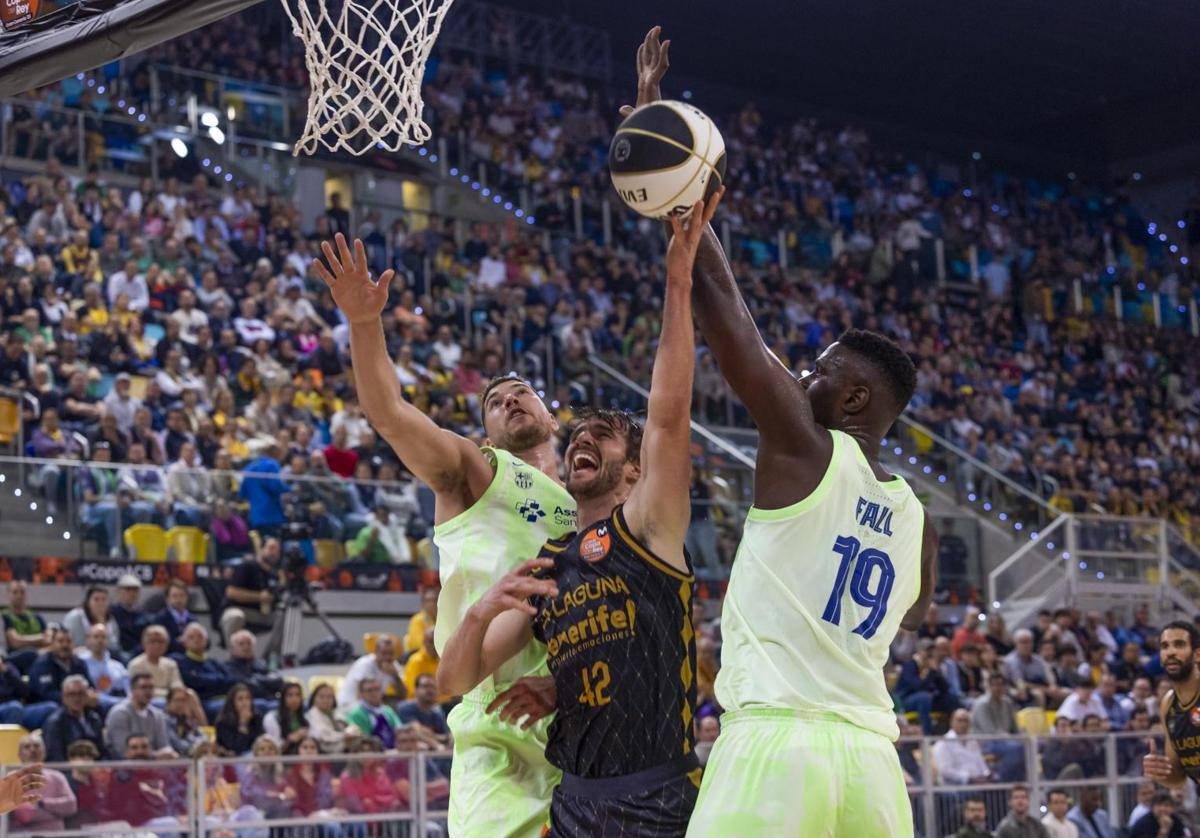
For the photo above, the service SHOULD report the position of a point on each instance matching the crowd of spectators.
(144, 686)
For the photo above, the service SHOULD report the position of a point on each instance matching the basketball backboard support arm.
(95, 32)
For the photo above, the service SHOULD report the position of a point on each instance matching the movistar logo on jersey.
(530, 510)
(523, 479)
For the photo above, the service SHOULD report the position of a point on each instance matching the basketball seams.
(691, 152)
(703, 162)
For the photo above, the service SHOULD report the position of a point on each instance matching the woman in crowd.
(263, 784)
(185, 720)
(286, 724)
(93, 610)
(239, 727)
(333, 734)
(313, 784)
(366, 788)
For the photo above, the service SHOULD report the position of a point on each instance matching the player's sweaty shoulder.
(476, 471)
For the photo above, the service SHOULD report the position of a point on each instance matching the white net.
(365, 59)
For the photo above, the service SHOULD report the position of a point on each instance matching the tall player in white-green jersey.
(495, 507)
(836, 555)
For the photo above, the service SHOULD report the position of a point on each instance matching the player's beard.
(606, 478)
(1185, 672)
(523, 437)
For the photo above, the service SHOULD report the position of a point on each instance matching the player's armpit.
(929, 552)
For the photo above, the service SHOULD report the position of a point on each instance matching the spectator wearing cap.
(130, 617)
(76, 719)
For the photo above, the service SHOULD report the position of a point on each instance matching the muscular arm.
(793, 449)
(478, 647)
(929, 551)
(456, 470)
(1175, 778)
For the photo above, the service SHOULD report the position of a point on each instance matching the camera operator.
(251, 596)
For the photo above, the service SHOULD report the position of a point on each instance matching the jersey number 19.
(865, 562)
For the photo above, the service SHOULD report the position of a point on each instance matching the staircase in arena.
(28, 526)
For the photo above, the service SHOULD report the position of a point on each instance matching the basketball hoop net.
(365, 60)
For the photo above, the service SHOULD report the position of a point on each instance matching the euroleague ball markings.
(665, 157)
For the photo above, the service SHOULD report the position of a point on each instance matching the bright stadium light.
(179, 147)
(209, 119)
(217, 135)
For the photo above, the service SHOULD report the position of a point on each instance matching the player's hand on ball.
(1156, 766)
(685, 238)
(515, 589)
(531, 697)
(652, 62)
(349, 280)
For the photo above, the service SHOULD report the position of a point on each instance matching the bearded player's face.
(596, 459)
(1178, 656)
(516, 418)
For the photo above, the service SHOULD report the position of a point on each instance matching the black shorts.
(655, 803)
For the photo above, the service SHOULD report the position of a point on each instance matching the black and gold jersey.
(1183, 727)
(620, 645)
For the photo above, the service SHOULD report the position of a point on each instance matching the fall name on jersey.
(874, 516)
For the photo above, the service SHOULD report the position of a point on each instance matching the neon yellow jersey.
(518, 512)
(817, 593)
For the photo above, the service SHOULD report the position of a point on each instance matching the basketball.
(665, 157)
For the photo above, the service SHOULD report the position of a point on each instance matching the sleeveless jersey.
(508, 524)
(620, 645)
(817, 593)
(1183, 726)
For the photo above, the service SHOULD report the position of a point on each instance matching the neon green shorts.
(788, 774)
(500, 782)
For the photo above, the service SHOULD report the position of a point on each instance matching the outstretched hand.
(23, 786)
(349, 281)
(685, 238)
(515, 588)
(653, 60)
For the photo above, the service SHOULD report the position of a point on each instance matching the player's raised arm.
(659, 507)
(450, 464)
(791, 440)
(495, 628)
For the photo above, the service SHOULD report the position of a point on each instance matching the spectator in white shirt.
(1056, 823)
(379, 666)
(173, 379)
(130, 283)
(1145, 796)
(1083, 702)
(447, 348)
(959, 762)
(293, 306)
(190, 319)
(1141, 695)
(121, 404)
(492, 270)
(249, 327)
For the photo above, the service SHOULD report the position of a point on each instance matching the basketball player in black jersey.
(1178, 646)
(612, 603)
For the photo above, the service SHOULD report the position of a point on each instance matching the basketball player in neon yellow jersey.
(494, 507)
(836, 556)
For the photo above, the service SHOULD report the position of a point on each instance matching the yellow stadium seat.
(334, 681)
(147, 542)
(10, 420)
(210, 731)
(190, 544)
(10, 736)
(329, 553)
(1032, 720)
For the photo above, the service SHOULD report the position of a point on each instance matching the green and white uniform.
(815, 598)
(500, 781)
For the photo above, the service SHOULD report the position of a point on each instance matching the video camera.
(294, 562)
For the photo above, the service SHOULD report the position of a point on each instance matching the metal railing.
(1109, 763)
(186, 797)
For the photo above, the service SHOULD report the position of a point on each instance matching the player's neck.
(543, 457)
(591, 510)
(1188, 690)
(870, 443)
